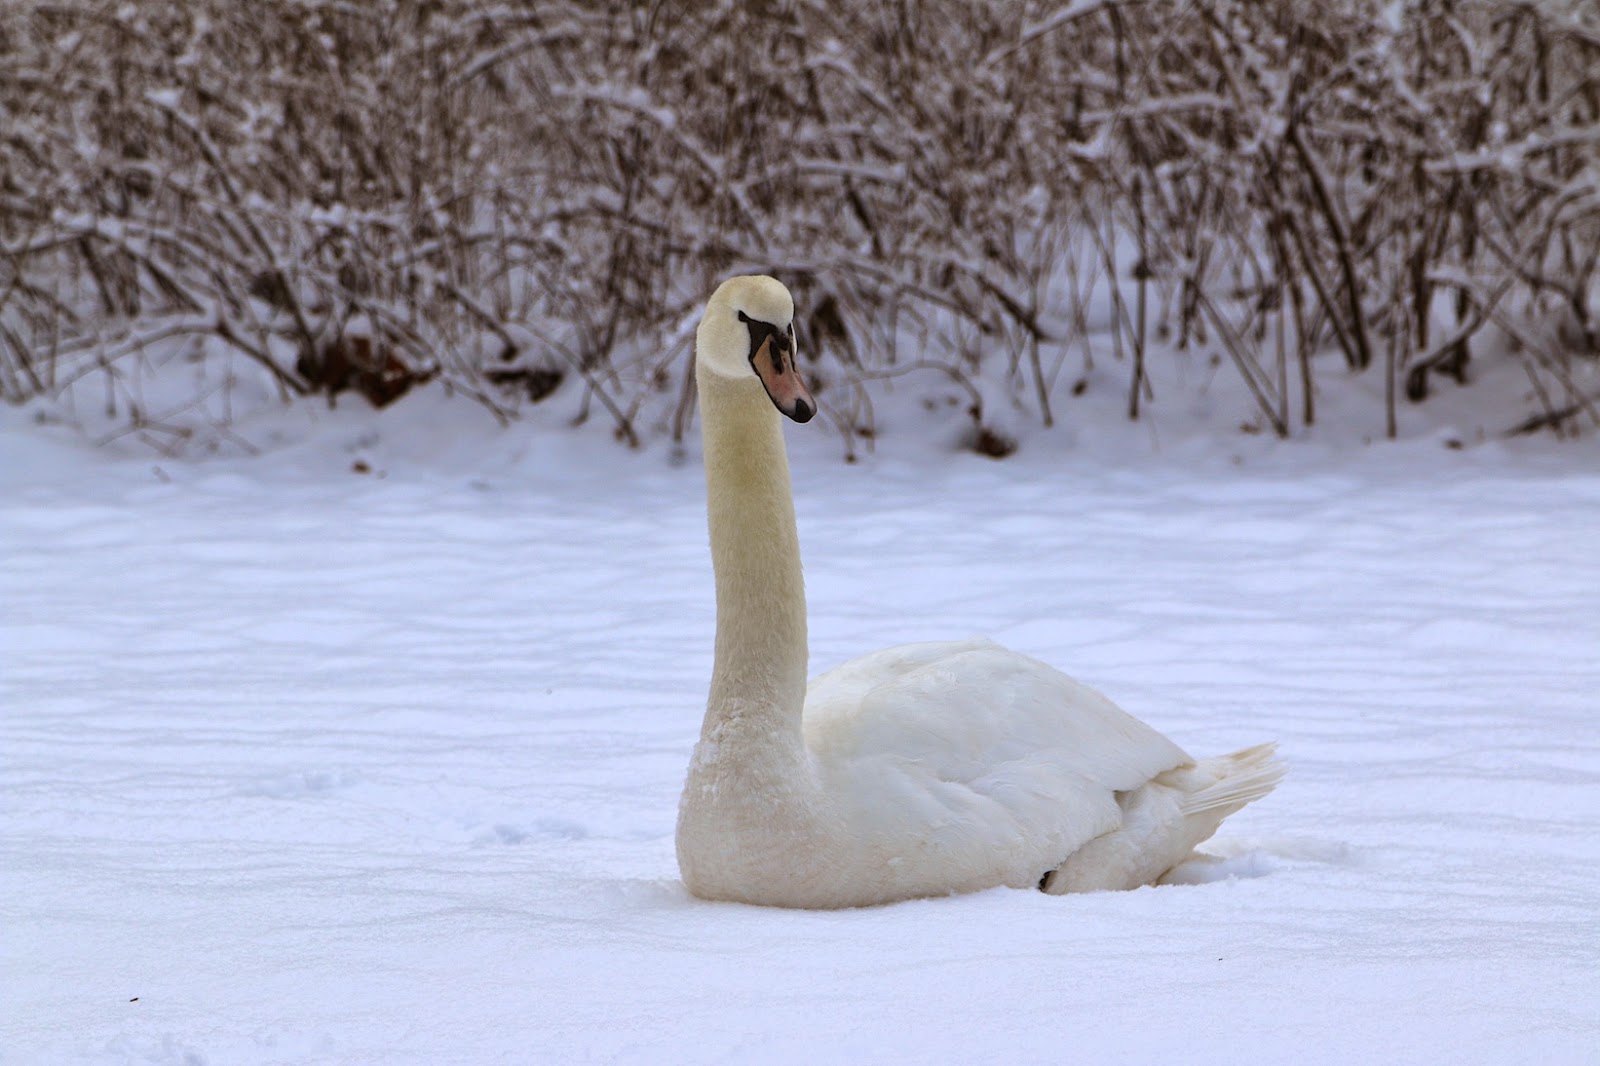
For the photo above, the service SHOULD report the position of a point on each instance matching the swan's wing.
(841, 691)
(975, 750)
(966, 707)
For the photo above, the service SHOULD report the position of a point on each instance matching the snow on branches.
(287, 199)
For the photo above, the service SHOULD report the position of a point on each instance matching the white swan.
(919, 770)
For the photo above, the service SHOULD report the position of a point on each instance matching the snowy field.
(305, 764)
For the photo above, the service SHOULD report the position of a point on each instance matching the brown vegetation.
(509, 195)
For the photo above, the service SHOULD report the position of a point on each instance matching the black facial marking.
(782, 340)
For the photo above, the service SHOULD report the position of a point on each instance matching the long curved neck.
(758, 683)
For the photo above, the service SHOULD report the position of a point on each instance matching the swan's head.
(748, 329)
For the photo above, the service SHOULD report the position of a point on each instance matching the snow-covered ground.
(305, 763)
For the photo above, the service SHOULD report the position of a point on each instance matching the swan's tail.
(1240, 778)
(1164, 821)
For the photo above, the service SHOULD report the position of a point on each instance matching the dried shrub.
(507, 197)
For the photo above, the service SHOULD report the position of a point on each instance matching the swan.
(920, 770)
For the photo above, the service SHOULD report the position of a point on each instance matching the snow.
(308, 764)
(166, 99)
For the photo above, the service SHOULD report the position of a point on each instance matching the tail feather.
(1241, 777)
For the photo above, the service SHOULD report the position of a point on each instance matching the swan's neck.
(758, 683)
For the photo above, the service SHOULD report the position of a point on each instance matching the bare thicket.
(298, 198)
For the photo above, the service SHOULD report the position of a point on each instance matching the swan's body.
(919, 770)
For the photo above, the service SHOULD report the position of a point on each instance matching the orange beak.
(776, 368)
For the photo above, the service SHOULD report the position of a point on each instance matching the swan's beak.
(780, 376)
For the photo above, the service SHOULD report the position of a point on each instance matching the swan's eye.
(761, 332)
